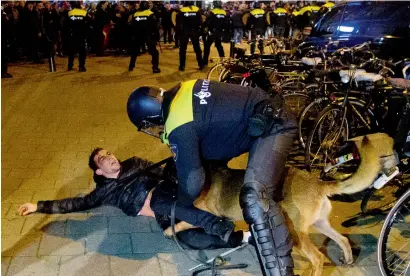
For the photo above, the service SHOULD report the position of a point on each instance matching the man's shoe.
(70, 68)
(82, 69)
(181, 68)
(201, 67)
(130, 69)
(156, 70)
(6, 75)
(223, 229)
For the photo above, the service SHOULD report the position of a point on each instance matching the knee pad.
(252, 205)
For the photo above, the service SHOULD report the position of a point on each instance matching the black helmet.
(256, 5)
(217, 4)
(144, 6)
(144, 108)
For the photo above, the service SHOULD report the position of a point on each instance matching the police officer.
(281, 19)
(144, 31)
(207, 120)
(217, 25)
(189, 22)
(256, 23)
(77, 28)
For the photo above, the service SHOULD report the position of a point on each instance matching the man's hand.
(27, 208)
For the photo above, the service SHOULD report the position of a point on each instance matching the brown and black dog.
(305, 202)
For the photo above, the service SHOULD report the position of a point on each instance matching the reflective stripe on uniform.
(190, 9)
(77, 12)
(218, 11)
(257, 11)
(143, 13)
(181, 109)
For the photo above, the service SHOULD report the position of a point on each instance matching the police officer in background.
(189, 22)
(281, 20)
(217, 25)
(77, 28)
(256, 23)
(144, 31)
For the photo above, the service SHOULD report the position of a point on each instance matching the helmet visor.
(151, 129)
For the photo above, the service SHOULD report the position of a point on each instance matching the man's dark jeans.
(163, 197)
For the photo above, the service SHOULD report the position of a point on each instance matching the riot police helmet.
(144, 108)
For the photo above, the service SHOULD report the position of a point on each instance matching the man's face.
(39, 6)
(106, 162)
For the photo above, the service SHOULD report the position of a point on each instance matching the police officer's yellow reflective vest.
(219, 11)
(142, 15)
(77, 14)
(180, 110)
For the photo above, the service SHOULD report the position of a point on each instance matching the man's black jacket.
(128, 192)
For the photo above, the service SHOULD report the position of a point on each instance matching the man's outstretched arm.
(62, 206)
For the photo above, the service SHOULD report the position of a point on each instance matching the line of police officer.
(190, 25)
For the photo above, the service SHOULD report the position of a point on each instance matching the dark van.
(385, 23)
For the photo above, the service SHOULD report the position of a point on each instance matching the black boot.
(82, 69)
(181, 68)
(223, 229)
(156, 70)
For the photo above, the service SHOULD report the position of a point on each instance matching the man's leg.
(207, 48)
(218, 45)
(253, 41)
(197, 239)
(266, 163)
(152, 49)
(81, 55)
(135, 49)
(183, 39)
(197, 48)
(162, 202)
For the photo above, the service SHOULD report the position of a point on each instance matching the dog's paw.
(346, 262)
(168, 232)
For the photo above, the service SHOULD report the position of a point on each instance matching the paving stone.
(5, 262)
(19, 245)
(24, 173)
(88, 264)
(58, 246)
(77, 183)
(12, 226)
(11, 184)
(5, 207)
(18, 197)
(86, 226)
(135, 264)
(152, 243)
(176, 263)
(107, 211)
(109, 243)
(129, 224)
(44, 266)
(37, 184)
(41, 223)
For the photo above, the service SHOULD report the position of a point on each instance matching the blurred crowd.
(34, 30)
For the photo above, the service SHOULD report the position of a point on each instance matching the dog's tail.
(364, 176)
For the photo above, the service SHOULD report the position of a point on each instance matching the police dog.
(305, 200)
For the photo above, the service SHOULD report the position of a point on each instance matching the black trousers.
(167, 32)
(218, 44)
(99, 43)
(76, 45)
(177, 35)
(197, 239)
(185, 36)
(137, 43)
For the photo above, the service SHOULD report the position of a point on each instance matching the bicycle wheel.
(328, 133)
(296, 102)
(215, 72)
(307, 118)
(393, 247)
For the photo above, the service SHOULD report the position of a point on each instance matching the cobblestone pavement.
(51, 122)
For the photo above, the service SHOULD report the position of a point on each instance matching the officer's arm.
(184, 143)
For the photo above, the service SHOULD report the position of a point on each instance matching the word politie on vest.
(204, 93)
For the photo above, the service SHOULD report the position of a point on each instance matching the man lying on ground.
(128, 186)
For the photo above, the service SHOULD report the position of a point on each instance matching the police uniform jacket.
(206, 120)
(144, 24)
(189, 19)
(257, 19)
(77, 23)
(217, 21)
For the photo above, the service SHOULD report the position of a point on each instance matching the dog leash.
(214, 267)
